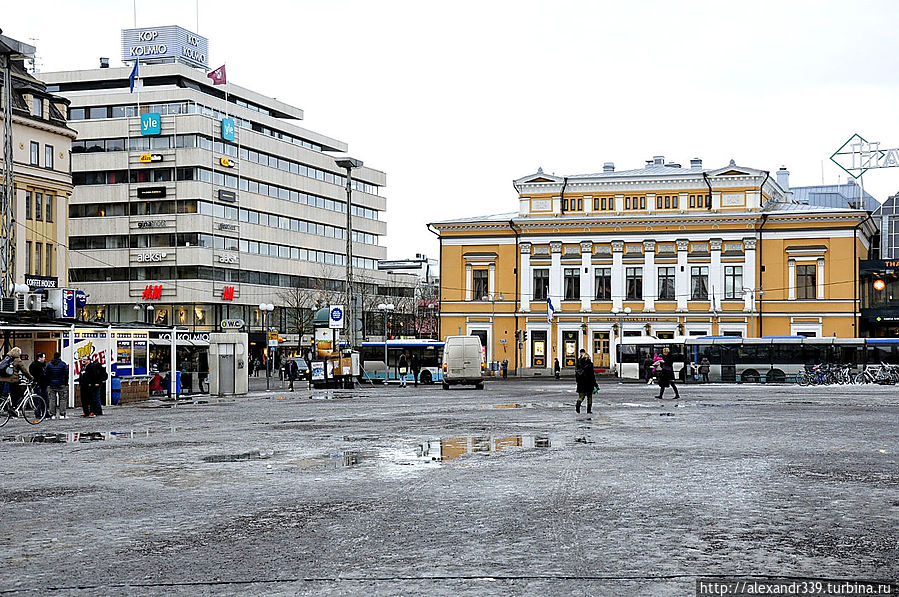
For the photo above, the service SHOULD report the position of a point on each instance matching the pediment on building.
(538, 177)
(732, 169)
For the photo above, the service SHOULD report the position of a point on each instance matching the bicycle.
(30, 404)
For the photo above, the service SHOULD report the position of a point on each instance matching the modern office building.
(42, 182)
(662, 250)
(205, 200)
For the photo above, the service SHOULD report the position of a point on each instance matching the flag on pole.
(133, 74)
(549, 310)
(218, 76)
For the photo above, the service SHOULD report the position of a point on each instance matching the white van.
(463, 361)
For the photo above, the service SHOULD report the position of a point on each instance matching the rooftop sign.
(167, 43)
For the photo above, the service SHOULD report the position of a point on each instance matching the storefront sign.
(42, 281)
(232, 324)
(150, 192)
(153, 224)
(227, 258)
(228, 227)
(199, 336)
(225, 195)
(227, 162)
(152, 292)
(151, 43)
(228, 129)
(228, 293)
(146, 158)
(151, 257)
(150, 123)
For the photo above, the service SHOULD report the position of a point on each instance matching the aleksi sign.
(150, 257)
(148, 44)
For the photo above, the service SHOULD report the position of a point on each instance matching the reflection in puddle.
(242, 457)
(508, 405)
(73, 437)
(454, 447)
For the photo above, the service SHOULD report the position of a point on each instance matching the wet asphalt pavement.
(386, 491)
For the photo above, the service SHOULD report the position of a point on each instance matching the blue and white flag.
(133, 75)
(549, 310)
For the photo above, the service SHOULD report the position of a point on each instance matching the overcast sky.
(454, 100)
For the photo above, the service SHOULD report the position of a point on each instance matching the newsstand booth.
(122, 351)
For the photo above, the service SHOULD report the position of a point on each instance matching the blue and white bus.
(428, 353)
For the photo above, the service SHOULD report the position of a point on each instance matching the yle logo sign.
(150, 124)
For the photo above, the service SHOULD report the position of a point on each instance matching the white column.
(586, 270)
(749, 280)
(791, 279)
(491, 280)
(617, 273)
(526, 276)
(682, 276)
(716, 276)
(467, 281)
(555, 274)
(819, 292)
(650, 292)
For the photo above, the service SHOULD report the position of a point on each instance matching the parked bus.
(769, 359)
(428, 352)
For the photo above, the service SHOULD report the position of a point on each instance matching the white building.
(206, 200)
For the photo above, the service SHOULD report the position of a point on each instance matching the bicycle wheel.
(30, 405)
(5, 415)
(802, 379)
(862, 378)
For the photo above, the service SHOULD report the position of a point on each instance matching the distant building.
(847, 195)
(41, 174)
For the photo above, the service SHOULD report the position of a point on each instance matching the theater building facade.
(662, 251)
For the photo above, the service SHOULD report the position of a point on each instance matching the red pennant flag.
(218, 76)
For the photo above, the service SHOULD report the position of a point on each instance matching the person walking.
(647, 368)
(416, 367)
(401, 370)
(704, 367)
(93, 383)
(56, 374)
(666, 374)
(36, 369)
(292, 369)
(557, 369)
(12, 375)
(585, 378)
(505, 367)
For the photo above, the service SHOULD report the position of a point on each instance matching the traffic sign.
(335, 317)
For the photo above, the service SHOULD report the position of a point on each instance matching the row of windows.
(602, 288)
(161, 142)
(218, 210)
(194, 272)
(226, 243)
(43, 206)
(35, 155)
(662, 202)
(100, 112)
(34, 259)
(221, 179)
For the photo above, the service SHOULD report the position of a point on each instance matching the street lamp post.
(385, 309)
(144, 315)
(265, 309)
(620, 313)
(492, 297)
(348, 164)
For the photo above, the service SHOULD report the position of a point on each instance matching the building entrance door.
(538, 349)
(569, 348)
(601, 349)
(226, 368)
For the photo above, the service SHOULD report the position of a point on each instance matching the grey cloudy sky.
(454, 100)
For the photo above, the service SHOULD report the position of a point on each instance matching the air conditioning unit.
(34, 302)
(8, 304)
(20, 303)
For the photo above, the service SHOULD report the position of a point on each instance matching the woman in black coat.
(586, 381)
(666, 375)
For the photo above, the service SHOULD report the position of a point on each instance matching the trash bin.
(116, 389)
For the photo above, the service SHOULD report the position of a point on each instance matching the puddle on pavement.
(74, 437)
(240, 457)
(508, 405)
(451, 448)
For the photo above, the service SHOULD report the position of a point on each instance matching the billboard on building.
(161, 43)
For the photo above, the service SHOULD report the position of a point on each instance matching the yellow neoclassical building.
(663, 250)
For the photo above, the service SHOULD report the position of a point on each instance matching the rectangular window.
(479, 284)
(572, 283)
(602, 284)
(38, 206)
(674, 202)
(38, 255)
(596, 204)
(692, 200)
(667, 202)
(541, 284)
(806, 282)
(49, 263)
(611, 204)
(634, 283)
(733, 281)
(659, 202)
(699, 283)
(35, 153)
(48, 157)
(642, 202)
(37, 107)
(28, 256)
(603, 204)
(27, 205)
(666, 284)
(627, 203)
